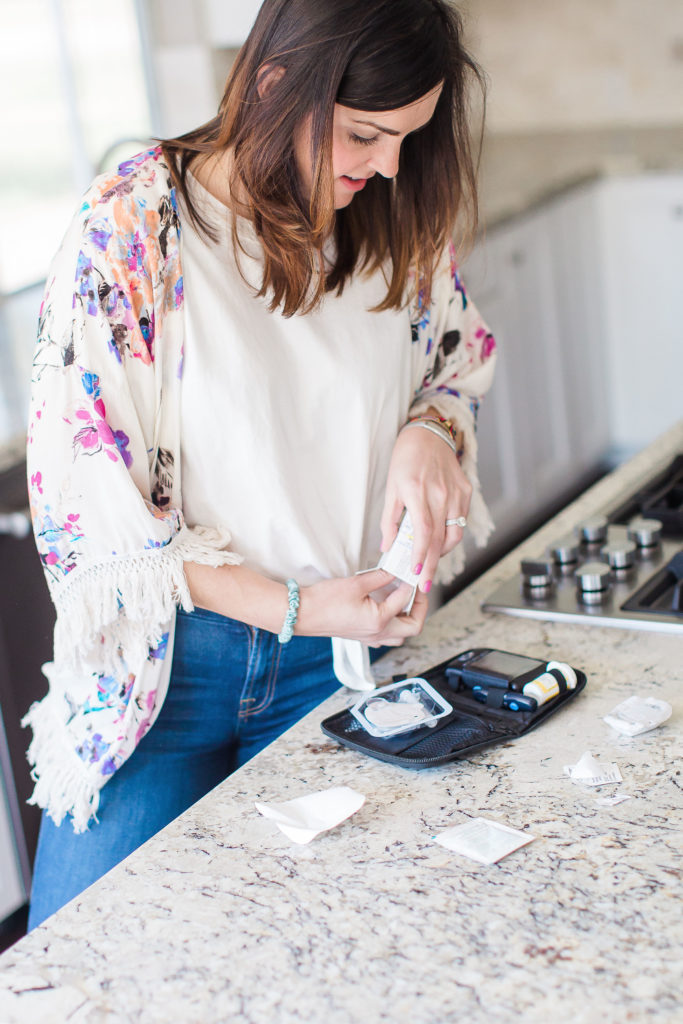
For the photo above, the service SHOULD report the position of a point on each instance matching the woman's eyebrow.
(379, 127)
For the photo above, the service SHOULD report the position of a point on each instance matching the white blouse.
(287, 423)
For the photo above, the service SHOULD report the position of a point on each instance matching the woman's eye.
(362, 140)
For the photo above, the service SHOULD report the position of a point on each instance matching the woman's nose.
(385, 161)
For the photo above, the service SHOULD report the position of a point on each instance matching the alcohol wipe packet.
(638, 714)
(482, 840)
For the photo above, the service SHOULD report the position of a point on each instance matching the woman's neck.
(213, 174)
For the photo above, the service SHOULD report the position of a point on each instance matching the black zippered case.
(468, 728)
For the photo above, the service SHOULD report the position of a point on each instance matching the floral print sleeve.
(454, 362)
(104, 497)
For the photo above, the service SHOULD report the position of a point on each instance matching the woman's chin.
(342, 197)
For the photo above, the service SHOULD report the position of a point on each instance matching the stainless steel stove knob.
(565, 552)
(593, 530)
(593, 580)
(620, 554)
(647, 533)
(537, 575)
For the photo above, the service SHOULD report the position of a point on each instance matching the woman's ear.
(268, 76)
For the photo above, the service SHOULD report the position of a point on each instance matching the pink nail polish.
(427, 587)
(418, 569)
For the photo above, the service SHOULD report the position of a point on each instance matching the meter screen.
(504, 664)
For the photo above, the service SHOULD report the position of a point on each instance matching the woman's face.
(364, 143)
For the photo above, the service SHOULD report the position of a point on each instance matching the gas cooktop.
(623, 567)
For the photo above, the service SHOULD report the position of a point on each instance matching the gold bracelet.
(436, 418)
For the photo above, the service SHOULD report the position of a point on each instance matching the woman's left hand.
(426, 479)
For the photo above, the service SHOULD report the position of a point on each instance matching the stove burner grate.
(663, 592)
(661, 499)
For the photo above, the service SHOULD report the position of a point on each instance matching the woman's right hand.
(345, 608)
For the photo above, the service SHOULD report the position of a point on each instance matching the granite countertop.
(220, 917)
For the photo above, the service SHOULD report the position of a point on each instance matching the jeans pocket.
(264, 662)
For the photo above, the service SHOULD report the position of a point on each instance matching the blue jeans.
(233, 690)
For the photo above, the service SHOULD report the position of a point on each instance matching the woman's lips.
(355, 184)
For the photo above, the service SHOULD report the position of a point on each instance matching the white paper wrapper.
(592, 772)
(484, 841)
(398, 559)
(612, 801)
(304, 818)
(638, 714)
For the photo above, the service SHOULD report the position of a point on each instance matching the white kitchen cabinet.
(583, 294)
(537, 438)
(641, 236)
(572, 227)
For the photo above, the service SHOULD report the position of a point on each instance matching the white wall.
(558, 65)
(552, 66)
(181, 60)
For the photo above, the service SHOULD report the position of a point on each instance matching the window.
(75, 92)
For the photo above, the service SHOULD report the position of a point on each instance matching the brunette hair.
(370, 55)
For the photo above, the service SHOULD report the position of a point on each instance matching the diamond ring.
(460, 521)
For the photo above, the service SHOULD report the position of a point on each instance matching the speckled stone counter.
(220, 917)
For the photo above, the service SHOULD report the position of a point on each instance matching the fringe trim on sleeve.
(479, 522)
(206, 545)
(108, 617)
(122, 605)
(64, 785)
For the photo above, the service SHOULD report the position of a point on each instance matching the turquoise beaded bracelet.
(290, 618)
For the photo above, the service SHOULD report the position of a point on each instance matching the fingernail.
(418, 569)
(427, 587)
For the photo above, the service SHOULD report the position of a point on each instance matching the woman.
(254, 354)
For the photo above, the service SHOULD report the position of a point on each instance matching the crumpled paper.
(304, 818)
(592, 772)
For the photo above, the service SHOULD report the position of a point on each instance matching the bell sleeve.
(104, 498)
(456, 356)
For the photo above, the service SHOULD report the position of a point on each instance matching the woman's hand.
(345, 608)
(338, 607)
(425, 478)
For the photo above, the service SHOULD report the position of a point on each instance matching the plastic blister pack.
(400, 707)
